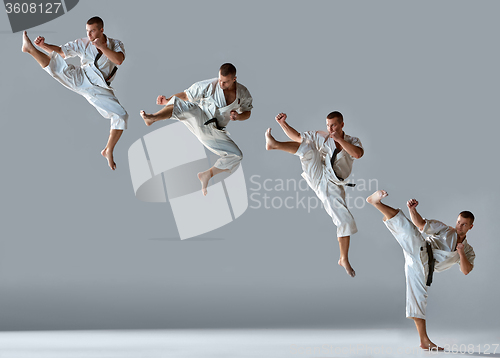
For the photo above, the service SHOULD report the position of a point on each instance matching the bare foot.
(27, 45)
(148, 118)
(270, 141)
(429, 346)
(204, 178)
(345, 264)
(109, 156)
(376, 197)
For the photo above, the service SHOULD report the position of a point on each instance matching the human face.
(463, 225)
(94, 32)
(225, 82)
(334, 125)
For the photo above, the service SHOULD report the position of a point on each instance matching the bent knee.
(120, 122)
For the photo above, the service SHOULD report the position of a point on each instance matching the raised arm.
(289, 131)
(115, 57)
(353, 150)
(162, 100)
(465, 265)
(40, 42)
(415, 216)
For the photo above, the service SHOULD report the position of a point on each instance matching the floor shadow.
(192, 239)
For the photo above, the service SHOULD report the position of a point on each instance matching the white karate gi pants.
(416, 263)
(331, 195)
(103, 99)
(217, 141)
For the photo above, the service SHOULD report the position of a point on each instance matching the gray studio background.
(416, 82)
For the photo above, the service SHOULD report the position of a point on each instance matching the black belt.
(113, 71)
(431, 261)
(332, 162)
(216, 124)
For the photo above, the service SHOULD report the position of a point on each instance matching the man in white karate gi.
(99, 56)
(444, 247)
(326, 159)
(206, 108)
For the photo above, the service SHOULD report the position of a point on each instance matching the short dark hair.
(335, 114)
(96, 20)
(467, 215)
(228, 69)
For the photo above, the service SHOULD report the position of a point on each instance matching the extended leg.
(425, 342)
(375, 200)
(344, 255)
(271, 143)
(114, 135)
(164, 113)
(40, 57)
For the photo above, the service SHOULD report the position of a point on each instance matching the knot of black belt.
(431, 261)
(216, 124)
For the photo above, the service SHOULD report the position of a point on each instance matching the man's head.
(95, 28)
(227, 76)
(335, 122)
(465, 222)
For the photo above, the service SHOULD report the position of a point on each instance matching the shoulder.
(114, 42)
(322, 134)
(206, 83)
(78, 45)
(242, 89)
(315, 135)
(467, 245)
(351, 139)
(84, 42)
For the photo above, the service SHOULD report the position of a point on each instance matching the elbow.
(359, 154)
(118, 63)
(245, 115)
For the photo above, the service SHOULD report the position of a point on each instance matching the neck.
(232, 87)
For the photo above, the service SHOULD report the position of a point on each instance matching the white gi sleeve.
(470, 254)
(71, 49)
(355, 141)
(199, 90)
(434, 227)
(118, 47)
(246, 101)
